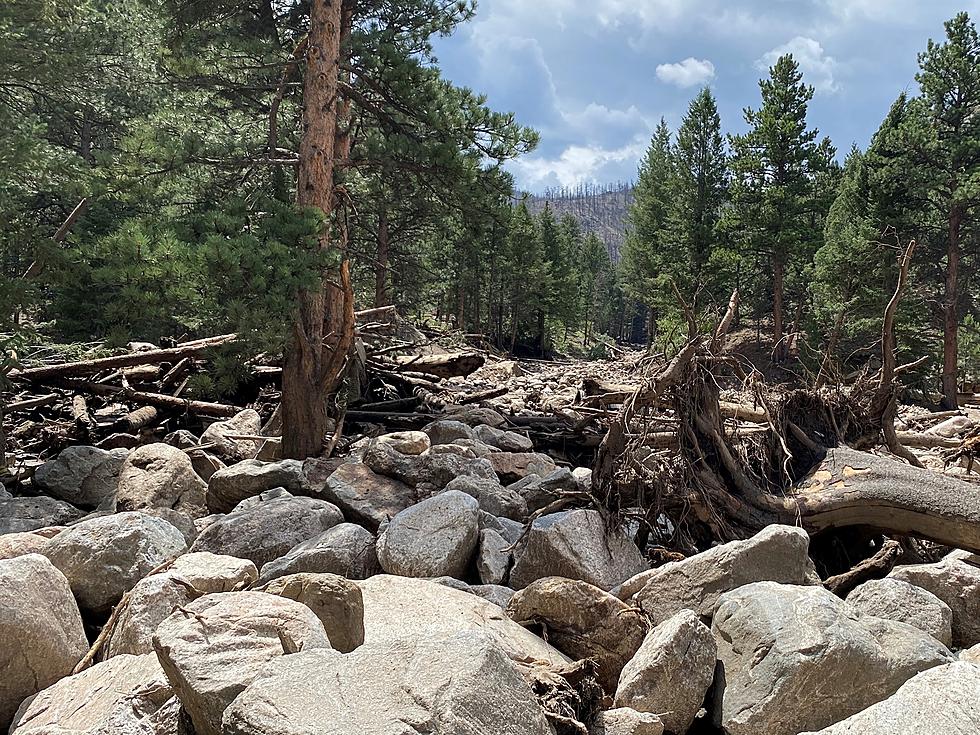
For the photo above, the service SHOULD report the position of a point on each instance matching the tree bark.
(322, 330)
(950, 315)
(381, 261)
(779, 351)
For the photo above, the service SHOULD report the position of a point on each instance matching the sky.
(594, 77)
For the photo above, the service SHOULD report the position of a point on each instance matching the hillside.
(601, 209)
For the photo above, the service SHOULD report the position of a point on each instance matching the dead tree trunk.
(950, 313)
(323, 326)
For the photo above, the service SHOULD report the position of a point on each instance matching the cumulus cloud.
(686, 73)
(817, 66)
(577, 164)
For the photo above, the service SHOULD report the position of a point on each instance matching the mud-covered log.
(875, 567)
(457, 364)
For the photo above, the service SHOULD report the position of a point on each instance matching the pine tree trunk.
(950, 316)
(322, 330)
(381, 261)
(779, 352)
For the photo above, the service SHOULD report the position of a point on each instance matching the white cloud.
(686, 73)
(818, 67)
(576, 164)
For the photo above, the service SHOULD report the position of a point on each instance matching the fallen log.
(201, 408)
(919, 440)
(454, 365)
(483, 395)
(29, 404)
(876, 567)
(90, 367)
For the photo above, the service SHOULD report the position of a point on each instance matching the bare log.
(458, 364)
(90, 367)
(926, 441)
(876, 567)
(483, 395)
(201, 408)
(29, 404)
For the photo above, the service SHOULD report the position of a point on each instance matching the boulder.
(461, 685)
(956, 582)
(435, 471)
(399, 607)
(493, 497)
(513, 466)
(20, 515)
(181, 521)
(495, 593)
(473, 416)
(122, 696)
(671, 672)
(86, 477)
(575, 544)
(205, 465)
(971, 655)
(346, 550)
(448, 431)
(220, 433)
(231, 485)
(433, 538)
(894, 599)
(217, 645)
(267, 529)
(384, 459)
(492, 559)
(952, 427)
(626, 721)
(41, 635)
(19, 544)
(366, 497)
(103, 558)
(776, 554)
(795, 658)
(412, 443)
(510, 530)
(160, 476)
(155, 598)
(582, 621)
(941, 701)
(540, 492)
(336, 601)
(505, 441)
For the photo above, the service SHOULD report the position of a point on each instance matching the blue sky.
(595, 76)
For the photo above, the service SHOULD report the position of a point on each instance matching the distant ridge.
(599, 208)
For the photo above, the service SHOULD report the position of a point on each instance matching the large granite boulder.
(217, 645)
(776, 554)
(231, 485)
(84, 476)
(267, 529)
(541, 491)
(19, 544)
(366, 497)
(41, 635)
(160, 476)
(671, 672)
(433, 538)
(336, 601)
(513, 466)
(461, 685)
(795, 658)
(582, 621)
(24, 514)
(126, 695)
(493, 497)
(103, 558)
(398, 607)
(346, 549)
(575, 544)
(955, 581)
(221, 435)
(944, 700)
(897, 600)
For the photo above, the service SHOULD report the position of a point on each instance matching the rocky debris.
(22, 514)
(971, 655)
(671, 672)
(505, 441)
(221, 435)
(103, 558)
(513, 466)
(495, 593)
(577, 545)
(493, 497)
(346, 550)
(894, 599)
(777, 554)
(510, 530)
(956, 582)
(126, 694)
(626, 721)
(433, 538)
(41, 635)
(205, 465)
(540, 492)
(156, 597)
(473, 416)
(231, 485)
(438, 470)
(217, 645)
(400, 607)
(267, 529)
(160, 476)
(462, 685)
(19, 544)
(84, 476)
(582, 621)
(448, 431)
(412, 443)
(796, 659)
(366, 497)
(941, 701)
(493, 558)
(181, 521)
(336, 601)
